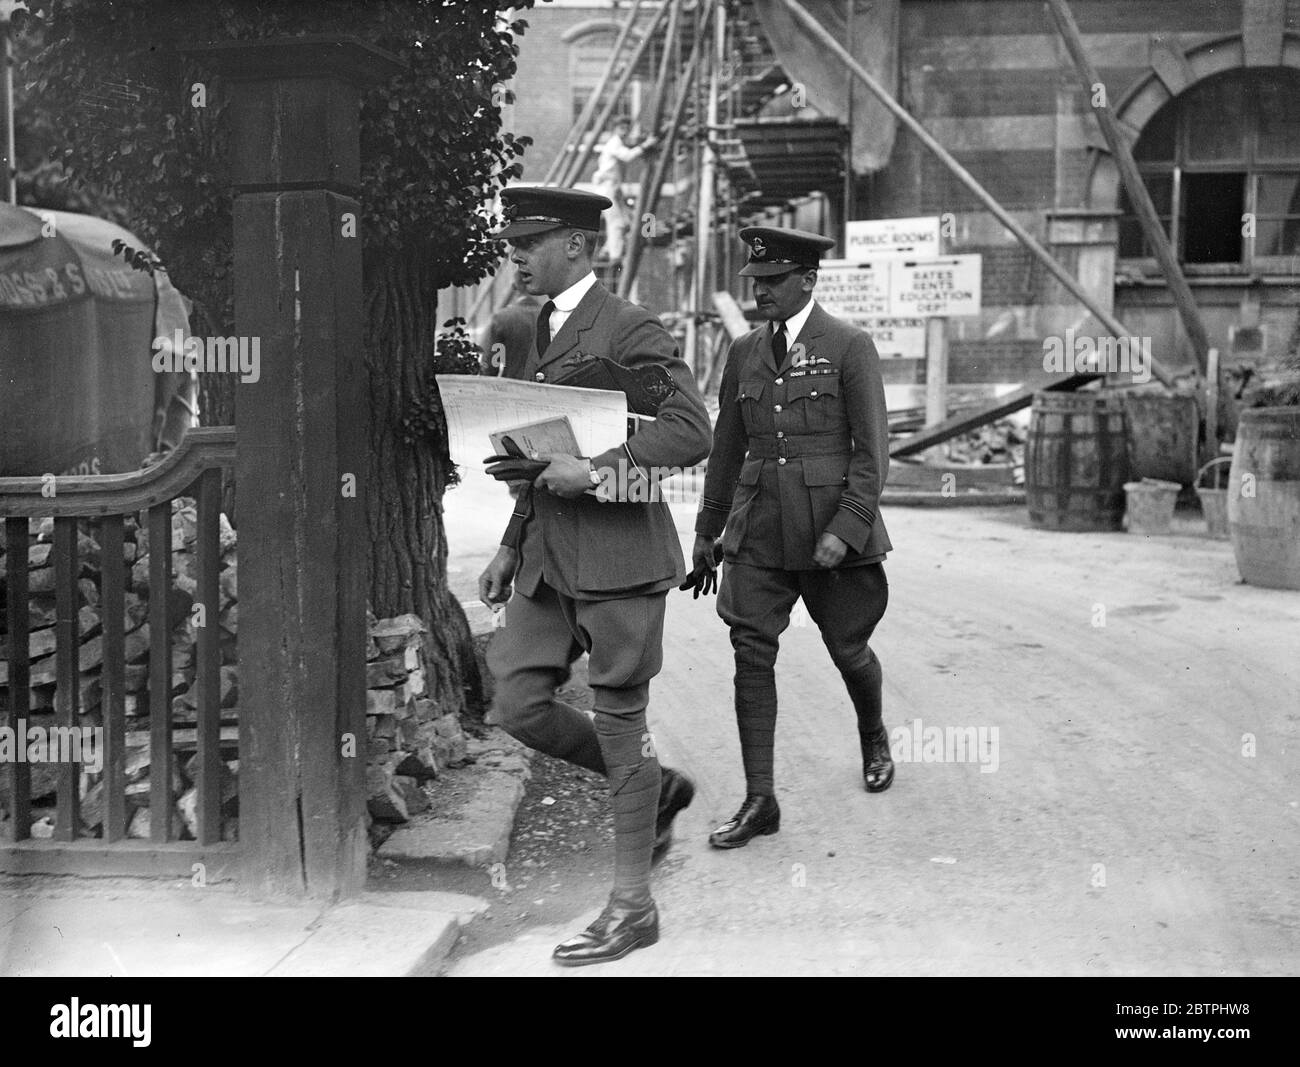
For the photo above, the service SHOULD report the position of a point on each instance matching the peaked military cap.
(536, 209)
(774, 251)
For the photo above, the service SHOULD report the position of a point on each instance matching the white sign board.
(938, 288)
(853, 291)
(897, 338)
(892, 238)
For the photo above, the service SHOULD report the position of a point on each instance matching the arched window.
(588, 58)
(1222, 164)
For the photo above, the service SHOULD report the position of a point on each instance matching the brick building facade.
(1209, 91)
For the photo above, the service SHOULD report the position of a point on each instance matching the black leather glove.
(514, 469)
(702, 580)
(514, 466)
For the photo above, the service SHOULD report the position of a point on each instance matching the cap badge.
(759, 249)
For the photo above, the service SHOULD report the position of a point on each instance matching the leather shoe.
(758, 815)
(676, 792)
(877, 763)
(618, 930)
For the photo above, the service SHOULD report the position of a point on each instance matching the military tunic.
(800, 449)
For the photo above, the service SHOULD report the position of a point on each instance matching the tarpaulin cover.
(78, 394)
(826, 81)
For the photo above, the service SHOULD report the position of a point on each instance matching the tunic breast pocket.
(816, 399)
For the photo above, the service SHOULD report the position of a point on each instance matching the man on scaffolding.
(611, 172)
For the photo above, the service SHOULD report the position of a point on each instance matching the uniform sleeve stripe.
(858, 510)
(715, 505)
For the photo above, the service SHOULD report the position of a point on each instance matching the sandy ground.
(1131, 805)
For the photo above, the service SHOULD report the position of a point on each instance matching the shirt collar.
(795, 322)
(572, 296)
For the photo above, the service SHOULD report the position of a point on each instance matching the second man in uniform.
(799, 460)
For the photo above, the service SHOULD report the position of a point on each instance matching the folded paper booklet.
(539, 438)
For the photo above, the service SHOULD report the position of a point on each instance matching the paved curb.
(474, 809)
(365, 939)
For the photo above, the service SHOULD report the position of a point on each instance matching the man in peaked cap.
(592, 576)
(800, 455)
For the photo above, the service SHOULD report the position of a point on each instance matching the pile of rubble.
(1000, 442)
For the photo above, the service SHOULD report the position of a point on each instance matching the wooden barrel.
(1076, 461)
(1264, 497)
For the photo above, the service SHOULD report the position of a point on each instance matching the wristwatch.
(593, 475)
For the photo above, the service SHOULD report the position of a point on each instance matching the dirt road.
(1112, 786)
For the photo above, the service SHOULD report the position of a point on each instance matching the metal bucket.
(1151, 505)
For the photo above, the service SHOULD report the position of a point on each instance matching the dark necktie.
(544, 327)
(778, 342)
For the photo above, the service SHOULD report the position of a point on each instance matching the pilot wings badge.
(802, 358)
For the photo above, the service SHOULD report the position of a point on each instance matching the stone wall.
(409, 741)
(41, 649)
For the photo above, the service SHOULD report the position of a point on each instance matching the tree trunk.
(409, 469)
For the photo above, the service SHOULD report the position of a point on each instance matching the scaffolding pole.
(705, 204)
(491, 291)
(580, 128)
(648, 200)
(571, 174)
